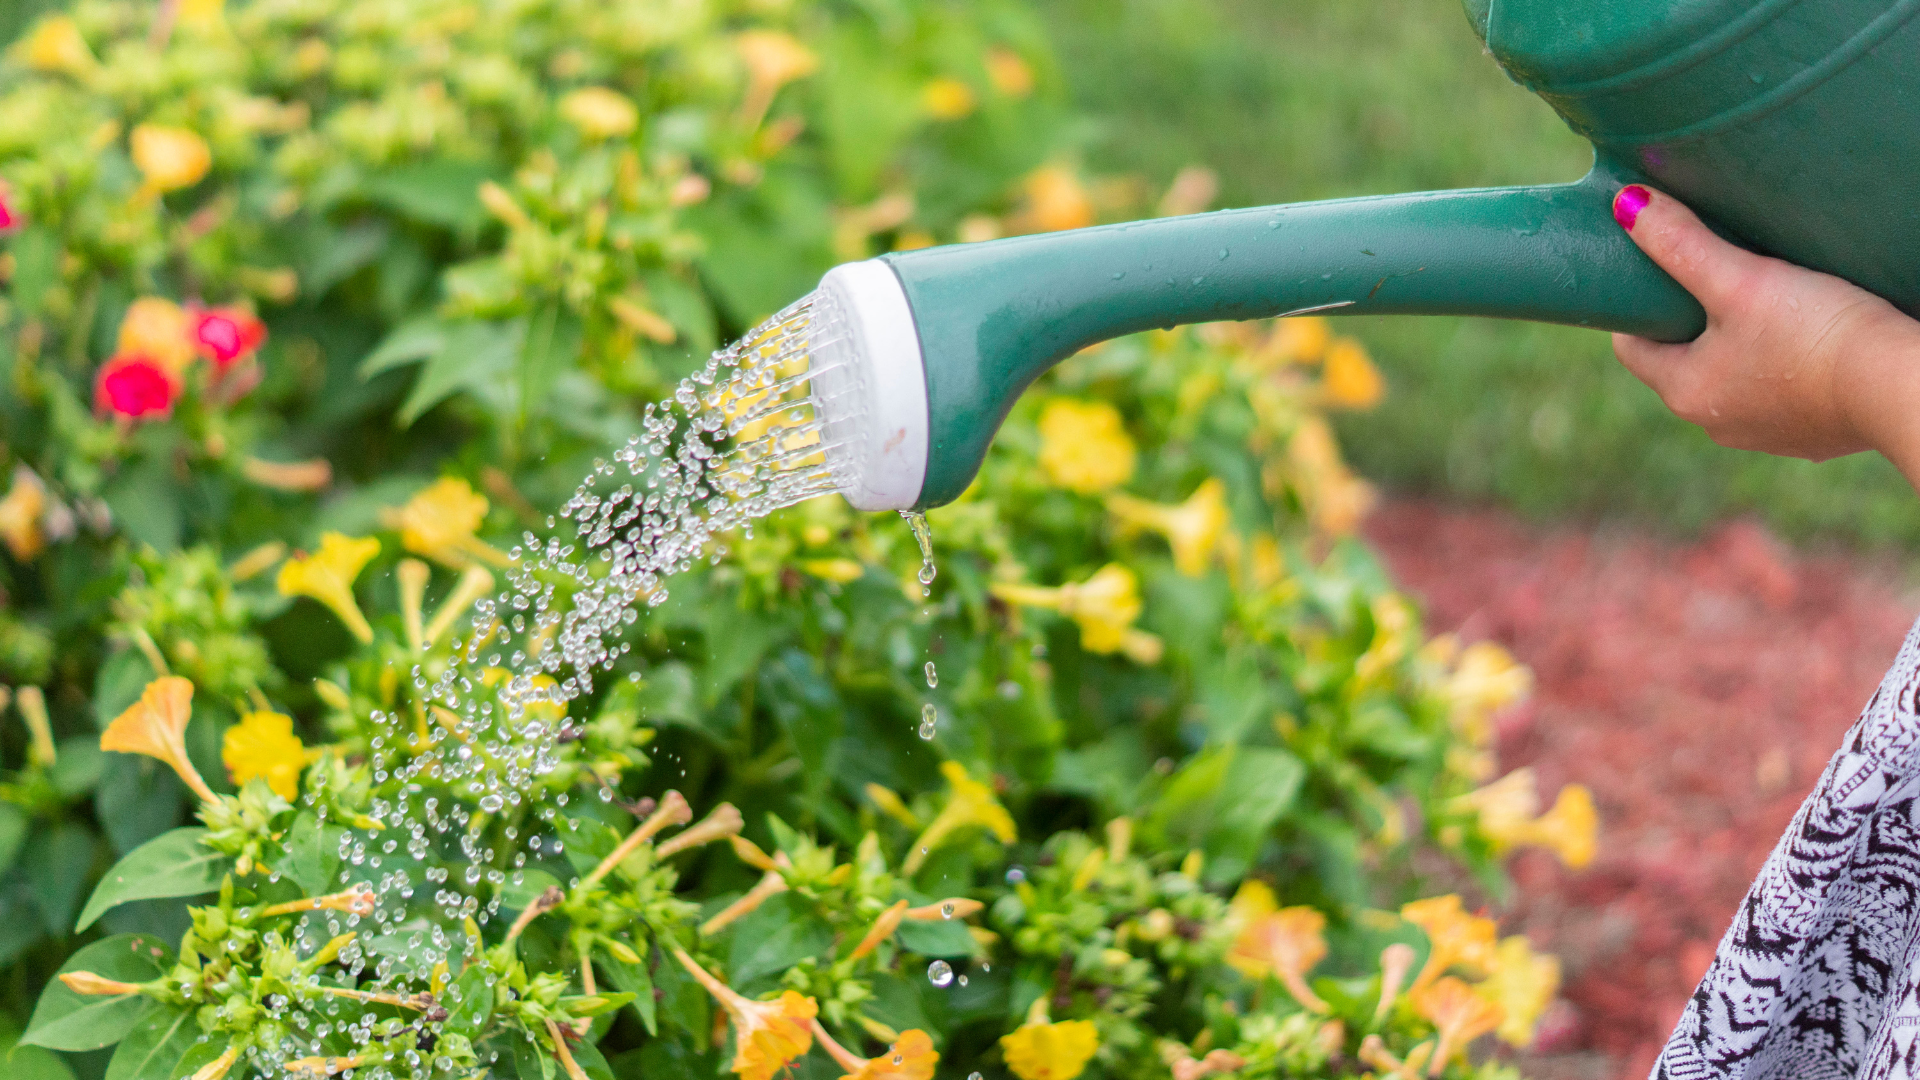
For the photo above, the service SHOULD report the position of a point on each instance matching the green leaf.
(154, 1046)
(532, 883)
(633, 979)
(550, 348)
(77, 767)
(469, 1002)
(444, 193)
(137, 800)
(473, 355)
(58, 862)
(341, 254)
(147, 504)
(947, 938)
(777, 935)
(531, 1061)
(411, 341)
(667, 696)
(64, 1020)
(1223, 801)
(684, 1001)
(313, 855)
(121, 679)
(13, 831)
(173, 864)
(33, 1063)
(36, 266)
(199, 1054)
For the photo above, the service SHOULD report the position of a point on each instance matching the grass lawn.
(1307, 99)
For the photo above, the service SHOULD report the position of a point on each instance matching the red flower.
(134, 386)
(10, 217)
(226, 334)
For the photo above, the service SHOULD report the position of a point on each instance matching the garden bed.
(1698, 690)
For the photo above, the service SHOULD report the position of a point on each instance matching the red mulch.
(1697, 689)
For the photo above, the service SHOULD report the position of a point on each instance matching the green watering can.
(1789, 124)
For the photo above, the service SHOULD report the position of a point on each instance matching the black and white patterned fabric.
(1819, 976)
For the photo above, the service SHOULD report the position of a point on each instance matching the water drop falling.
(939, 973)
(946, 910)
(924, 535)
(929, 720)
(963, 980)
(933, 677)
(975, 1076)
(1015, 875)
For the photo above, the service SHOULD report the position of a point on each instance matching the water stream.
(738, 440)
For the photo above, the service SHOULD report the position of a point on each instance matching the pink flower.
(134, 386)
(226, 334)
(10, 216)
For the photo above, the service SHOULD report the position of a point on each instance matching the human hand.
(1793, 362)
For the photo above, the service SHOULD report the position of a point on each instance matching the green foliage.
(480, 237)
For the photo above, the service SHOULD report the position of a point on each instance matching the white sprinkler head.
(869, 386)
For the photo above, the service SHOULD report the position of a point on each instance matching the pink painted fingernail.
(1627, 205)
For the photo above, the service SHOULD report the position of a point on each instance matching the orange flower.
(1008, 73)
(170, 158)
(156, 726)
(1349, 380)
(1056, 200)
(911, 1057)
(1458, 1014)
(767, 1035)
(1457, 937)
(1285, 943)
(20, 515)
(160, 330)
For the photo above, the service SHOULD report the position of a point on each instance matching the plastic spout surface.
(992, 316)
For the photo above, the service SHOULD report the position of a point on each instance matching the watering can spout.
(932, 347)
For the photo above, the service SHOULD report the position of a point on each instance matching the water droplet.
(929, 720)
(933, 677)
(492, 803)
(962, 980)
(1015, 875)
(939, 973)
(1223, 254)
(946, 910)
(975, 1076)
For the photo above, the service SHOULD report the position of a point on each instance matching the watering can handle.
(992, 316)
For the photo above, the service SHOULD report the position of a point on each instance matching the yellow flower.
(1008, 73)
(1523, 984)
(947, 99)
(1302, 340)
(160, 330)
(1349, 379)
(263, 744)
(1571, 829)
(1459, 1016)
(1055, 200)
(600, 113)
(775, 58)
(911, 1057)
(199, 14)
(767, 1035)
(327, 576)
(170, 158)
(970, 803)
(156, 726)
(1457, 937)
(55, 44)
(20, 515)
(1395, 632)
(838, 571)
(1285, 944)
(440, 522)
(1485, 680)
(1051, 1051)
(1105, 607)
(1336, 500)
(536, 699)
(1193, 529)
(1083, 446)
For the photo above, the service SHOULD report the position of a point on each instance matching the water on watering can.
(738, 440)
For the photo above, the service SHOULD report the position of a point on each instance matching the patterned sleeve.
(1816, 977)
